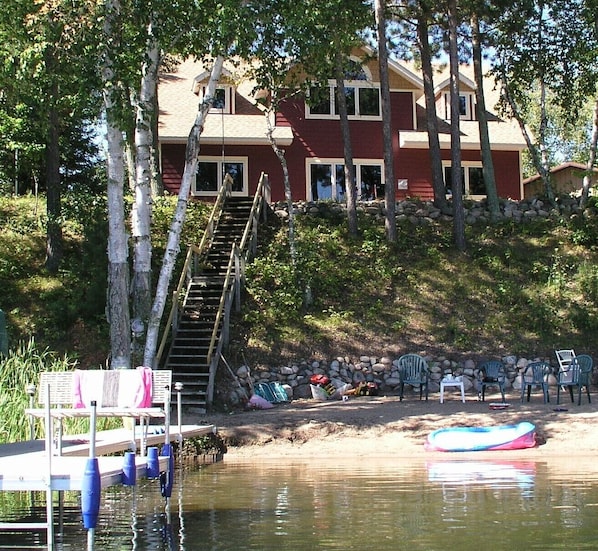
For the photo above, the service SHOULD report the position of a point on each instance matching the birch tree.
(118, 262)
(172, 245)
(145, 107)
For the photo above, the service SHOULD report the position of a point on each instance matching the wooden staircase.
(202, 321)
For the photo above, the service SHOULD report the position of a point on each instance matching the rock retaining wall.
(381, 370)
(424, 212)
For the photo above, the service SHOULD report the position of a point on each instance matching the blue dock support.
(167, 478)
(129, 469)
(153, 463)
(91, 486)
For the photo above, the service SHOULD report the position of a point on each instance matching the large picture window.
(326, 180)
(472, 179)
(211, 172)
(363, 100)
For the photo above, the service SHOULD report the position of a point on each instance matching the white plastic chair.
(565, 358)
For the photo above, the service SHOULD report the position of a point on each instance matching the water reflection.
(503, 474)
(349, 504)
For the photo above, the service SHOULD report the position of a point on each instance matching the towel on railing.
(124, 388)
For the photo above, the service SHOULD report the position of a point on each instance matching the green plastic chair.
(535, 375)
(414, 371)
(577, 375)
(492, 373)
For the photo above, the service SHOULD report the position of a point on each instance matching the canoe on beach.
(500, 437)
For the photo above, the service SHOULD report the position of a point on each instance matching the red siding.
(314, 138)
(259, 159)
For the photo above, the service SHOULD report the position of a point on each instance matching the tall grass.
(20, 369)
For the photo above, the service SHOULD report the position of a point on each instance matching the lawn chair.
(414, 371)
(564, 357)
(535, 374)
(577, 374)
(492, 373)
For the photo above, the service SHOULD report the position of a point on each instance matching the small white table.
(452, 382)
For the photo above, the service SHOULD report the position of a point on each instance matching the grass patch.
(520, 288)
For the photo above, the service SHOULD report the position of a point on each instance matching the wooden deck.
(26, 466)
(23, 473)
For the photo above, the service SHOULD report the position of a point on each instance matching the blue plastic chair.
(414, 371)
(492, 373)
(535, 375)
(577, 374)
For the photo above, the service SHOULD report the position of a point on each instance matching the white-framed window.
(326, 179)
(472, 179)
(361, 93)
(466, 106)
(363, 101)
(211, 172)
(224, 99)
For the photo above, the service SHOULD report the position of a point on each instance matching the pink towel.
(125, 388)
(135, 388)
(87, 387)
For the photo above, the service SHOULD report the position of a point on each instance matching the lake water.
(354, 504)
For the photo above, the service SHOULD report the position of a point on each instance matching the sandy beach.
(384, 426)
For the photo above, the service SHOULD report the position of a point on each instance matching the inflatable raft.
(468, 439)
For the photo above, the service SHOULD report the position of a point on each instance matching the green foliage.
(66, 311)
(521, 288)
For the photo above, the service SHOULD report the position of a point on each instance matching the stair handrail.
(194, 252)
(263, 187)
(226, 292)
(239, 252)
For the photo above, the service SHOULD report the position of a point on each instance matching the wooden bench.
(57, 394)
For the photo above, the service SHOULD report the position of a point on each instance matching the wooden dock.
(24, 474)
(34, 466)
(21, 463)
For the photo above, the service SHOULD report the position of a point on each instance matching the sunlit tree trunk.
(431, 117)
(349, 170)
(174, 235)
(487, 162)
(142, 207)
(587, 177)
(118, 267)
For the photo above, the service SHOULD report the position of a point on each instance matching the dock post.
(49, 504)
(178, 386)
(91, 486)
(31, 393)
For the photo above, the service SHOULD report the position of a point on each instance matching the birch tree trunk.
(142, 210)
(389, 173)
(174, 235)
(118, 268)
(269, 114)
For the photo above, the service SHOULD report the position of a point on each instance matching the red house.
(234, 137)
